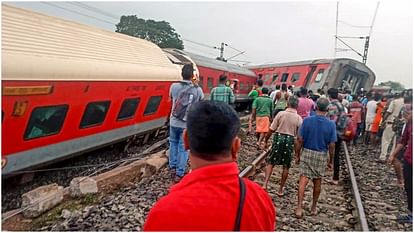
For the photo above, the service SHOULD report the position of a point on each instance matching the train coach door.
(309, 76)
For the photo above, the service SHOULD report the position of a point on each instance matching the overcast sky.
(269, 31)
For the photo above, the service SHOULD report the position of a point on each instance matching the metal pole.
(222, 51)
(336, 29)
(364, 58)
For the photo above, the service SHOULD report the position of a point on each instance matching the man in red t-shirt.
(356, 109)
(208, 198)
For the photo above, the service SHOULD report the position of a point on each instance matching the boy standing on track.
(262, 114)
(286, 125)
(213, 197)
(183, 94)
(316, 135)
(222, 92)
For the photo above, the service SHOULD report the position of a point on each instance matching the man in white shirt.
(371, 111)
(393, 110)
(273, 94)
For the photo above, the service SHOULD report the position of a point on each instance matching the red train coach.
(210, 69)
(68, 88)
(314, 74)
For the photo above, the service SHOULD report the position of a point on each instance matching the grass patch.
(72, 204)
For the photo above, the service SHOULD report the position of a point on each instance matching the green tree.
(395, 86)
(159, 32)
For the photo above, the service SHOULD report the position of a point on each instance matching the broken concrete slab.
(80, 186)
(41, 199)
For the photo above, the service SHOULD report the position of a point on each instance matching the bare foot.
(299, 213)
(314, 211)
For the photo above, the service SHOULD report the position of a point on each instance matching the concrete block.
(41, 199)
(154, 164)
(80, 186)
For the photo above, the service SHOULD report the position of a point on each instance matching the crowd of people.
(314, 125)
(309, 126)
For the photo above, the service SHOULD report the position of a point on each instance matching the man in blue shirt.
(316, 136)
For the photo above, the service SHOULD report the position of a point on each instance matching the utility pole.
(221, 58)
(364, 57)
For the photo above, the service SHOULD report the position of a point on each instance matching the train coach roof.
(216, 64)
(40, 47)
(294, 63)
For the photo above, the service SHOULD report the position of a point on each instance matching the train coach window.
(210, 83)
(285, 77)
(94, 114)
(45, 121)
(275, 76)
(153, 104)
(128, 109)
(295, 77)
(319, 75)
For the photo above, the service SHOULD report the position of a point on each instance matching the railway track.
(336, 208)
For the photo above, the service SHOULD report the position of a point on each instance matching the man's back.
(175, 90)
(305, 106)
(264, 106)
(317, 132)
(207, 200)
(287, 122)
(222, 93)
(356, 110)
(371, 110)
(395, 107)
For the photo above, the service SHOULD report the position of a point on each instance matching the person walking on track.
(183, 94)
(262, 114)
(317, 135)
(222, 92)
(286, 126)
(336, 113)
(213, 197)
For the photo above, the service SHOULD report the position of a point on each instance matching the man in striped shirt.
(222, 92)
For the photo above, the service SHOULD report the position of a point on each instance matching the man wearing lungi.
(286, 126)
(316, 136)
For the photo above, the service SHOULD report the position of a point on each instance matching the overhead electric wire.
(79, 13)
(352, 25)
(94, 9)
(198, 43)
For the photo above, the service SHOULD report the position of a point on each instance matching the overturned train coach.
(343, 73)
(70, 88)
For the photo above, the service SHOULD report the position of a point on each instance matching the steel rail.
(246, 171)
(357, 196)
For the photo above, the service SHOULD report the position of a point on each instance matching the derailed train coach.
(68, 88)
(342, 73)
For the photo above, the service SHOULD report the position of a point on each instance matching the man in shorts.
(317, 135)
(286, 126)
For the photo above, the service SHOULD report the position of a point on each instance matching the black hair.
(377, 96)
(284, 87)
(408, 99)
(260, 82)
(265, 90)
(333, 93)
(290, 87)
(277, 86)
(222, 78)
(303, 91)
(187, 71)
(315, 97)
(211, 127)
